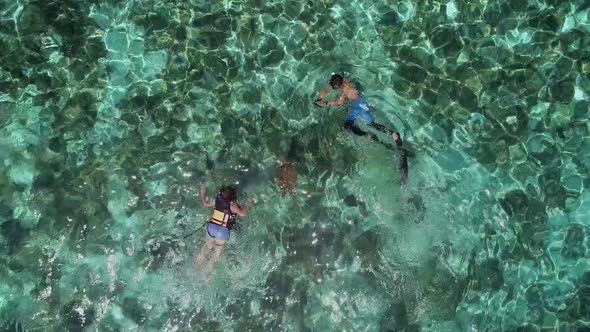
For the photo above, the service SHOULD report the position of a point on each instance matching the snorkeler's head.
(229, 193)
(336, 81)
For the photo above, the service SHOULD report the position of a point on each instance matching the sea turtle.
(287, 175)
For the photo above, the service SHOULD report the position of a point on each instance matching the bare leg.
(217, 251)
(403, 163)
(205, 249)
(350, 125)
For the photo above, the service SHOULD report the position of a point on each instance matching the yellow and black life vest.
(222, 214)
(220, 218)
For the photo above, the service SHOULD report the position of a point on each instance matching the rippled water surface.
(112, 113)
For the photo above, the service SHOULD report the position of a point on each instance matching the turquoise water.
(113, 113)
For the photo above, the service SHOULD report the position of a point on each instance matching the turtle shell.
(287, 177)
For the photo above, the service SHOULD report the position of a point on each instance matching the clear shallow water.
(112, 113)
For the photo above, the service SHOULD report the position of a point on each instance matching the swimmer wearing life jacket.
(360, 111)
(225, 212)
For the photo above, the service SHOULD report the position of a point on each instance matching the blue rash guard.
(359, 110)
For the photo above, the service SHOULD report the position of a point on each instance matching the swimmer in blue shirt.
(360, 111)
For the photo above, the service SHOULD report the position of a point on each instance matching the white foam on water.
(452, 10)
(579, 93)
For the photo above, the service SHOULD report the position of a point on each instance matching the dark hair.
(229, 192)
(336, 81)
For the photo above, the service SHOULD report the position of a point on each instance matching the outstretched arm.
(235, 208)
(204, 199)
(340, 101)
(326, 91)
(323, 94)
